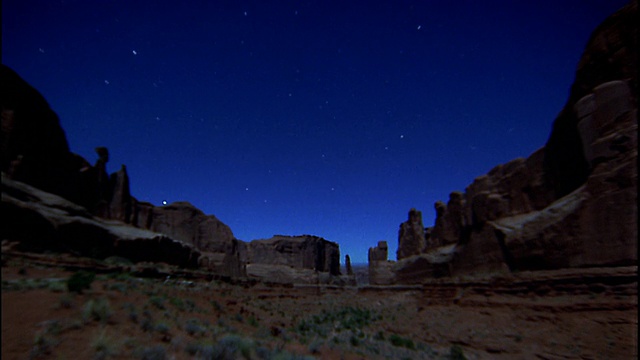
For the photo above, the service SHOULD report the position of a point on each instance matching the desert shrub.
(205, 350)
(80, 280)
(57, 286)
(104, 346)
(178, 303)
(399, 341)
(146, 324)
(118, 260)
(354, 341)
(189, 305)
(65, 301)
(120, 287)
(157, 301)
(216, 306)
(253, 321)
(157, 352)
(132, 313)
(193, 327)
(238, 317)
(456, 353)
(315, 346)
(98, 310)
(162, 328)
(43, 343)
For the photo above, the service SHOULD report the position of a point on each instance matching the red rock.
(411, 236)
(570, 204)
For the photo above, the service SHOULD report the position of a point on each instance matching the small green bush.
(456, 353)
(157, 301)
(98, 310)
(104, 346)
(80, 280)
(157, 352)
(399, 341)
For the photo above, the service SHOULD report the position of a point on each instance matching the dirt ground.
(585, 314)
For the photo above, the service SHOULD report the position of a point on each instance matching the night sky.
(330, 118)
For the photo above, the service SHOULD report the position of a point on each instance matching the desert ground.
(148, 311)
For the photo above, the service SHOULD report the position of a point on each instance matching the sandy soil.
(585, 314)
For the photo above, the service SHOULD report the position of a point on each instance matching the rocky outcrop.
(34, 147)
(411, 236)
(380, 269)
(347, 264)
(302, 252)
(570, 204)
(41, 221)
(35, 151)
(301, 259)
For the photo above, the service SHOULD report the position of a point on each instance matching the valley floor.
(573, 314)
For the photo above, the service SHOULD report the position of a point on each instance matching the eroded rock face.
(411, 236)
(380, 269)
(570, 204)
(43, 221)
(302, 252)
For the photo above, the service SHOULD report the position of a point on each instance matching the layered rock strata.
(35, 152)
(380, 269)
(278, 258)
(43, 221)
(572, 203)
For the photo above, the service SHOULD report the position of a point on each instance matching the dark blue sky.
(330, 118)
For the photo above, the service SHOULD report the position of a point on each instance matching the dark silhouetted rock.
(34, 146)
(42, 221)
(411, 236)
(347, 264)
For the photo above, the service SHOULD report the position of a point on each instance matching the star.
(134, 52)
(164, 202)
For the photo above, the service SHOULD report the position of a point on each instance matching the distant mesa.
(571, 204)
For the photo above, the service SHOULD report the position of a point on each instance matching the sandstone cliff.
(572, 203)
(35, 152)
(273, 259)
(40, 221)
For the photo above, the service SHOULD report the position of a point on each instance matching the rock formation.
(572, 203)
(380, 269)
(35, 152)
(34, 146)
(347, 264)
(411, 236)
(305, 251)
(43, 221)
